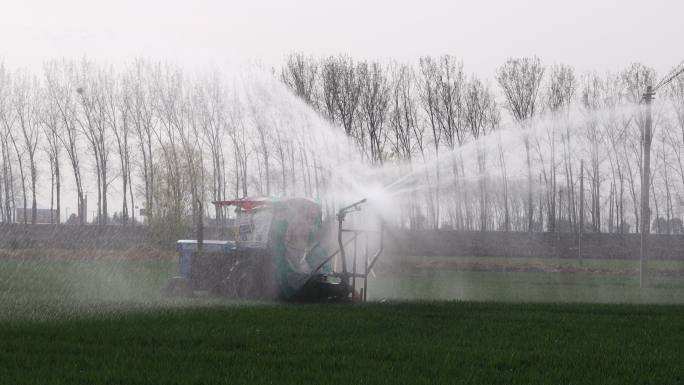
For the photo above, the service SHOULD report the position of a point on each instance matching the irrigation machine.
(282, 250)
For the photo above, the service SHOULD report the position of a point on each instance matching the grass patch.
(53, 288)
(527, 280)
(525, 287)
(104, 321)
(43, 288)
(405, 343)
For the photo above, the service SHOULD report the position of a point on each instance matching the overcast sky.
(598, 34)
(209, 34)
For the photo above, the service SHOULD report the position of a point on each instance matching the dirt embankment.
(135, 252)
(524, 267)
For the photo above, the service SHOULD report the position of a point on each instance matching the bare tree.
(61, 89)
(594, 137)
(450, 117)
(300, 74)
(403, 120)
(341, 91)
(118, 111)
(211, 110)
(403, 112)
(25, 102)
(93, 124)
(167, 97)
(480, 116)
(144, 124)
(52, 129)
(7, 119)
(520, 80)
(559, 94)
(375, 95)
(429, 86)
(260, 116)
(235, 126)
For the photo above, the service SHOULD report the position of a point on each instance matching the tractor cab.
(253, 220)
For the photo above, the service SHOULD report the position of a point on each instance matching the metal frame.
(368, 264)
(364, 235)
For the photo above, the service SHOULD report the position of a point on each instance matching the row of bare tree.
(148, 136)
(138, 128)
(574, 130)
(511, 156)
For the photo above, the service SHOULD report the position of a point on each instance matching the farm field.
(528, 280)
(40, 288)
(104, 321)
(406, 343)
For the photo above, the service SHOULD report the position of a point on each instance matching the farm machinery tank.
(280, 250)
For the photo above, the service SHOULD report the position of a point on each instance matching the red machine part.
(248, 203)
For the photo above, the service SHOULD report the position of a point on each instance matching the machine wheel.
(237, 284)
(244, 286)
(178, 287)
(227, 285)
(242, 282)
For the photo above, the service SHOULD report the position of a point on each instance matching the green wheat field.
(432, 320)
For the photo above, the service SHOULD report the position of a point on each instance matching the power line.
(676, 71)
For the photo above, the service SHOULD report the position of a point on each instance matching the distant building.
(43, 216)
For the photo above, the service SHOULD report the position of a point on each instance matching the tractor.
(280, 250)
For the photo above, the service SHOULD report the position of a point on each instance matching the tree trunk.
(530, 207)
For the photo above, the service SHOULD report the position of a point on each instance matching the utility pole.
(556, 220)
(200, 227)
(645, 183)
(83, 215)
(581, 213)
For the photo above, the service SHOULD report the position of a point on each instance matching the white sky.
(209, 34)
(599, 34)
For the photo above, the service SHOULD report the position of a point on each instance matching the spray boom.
(351, 208)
